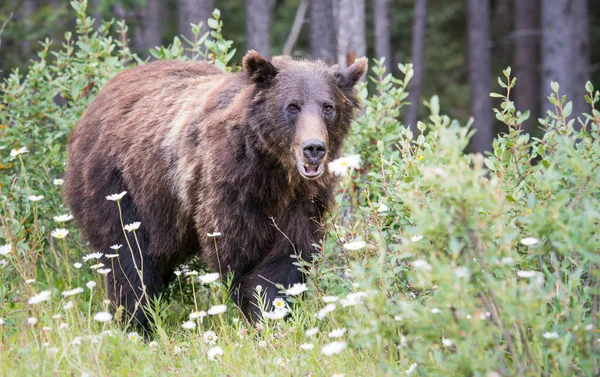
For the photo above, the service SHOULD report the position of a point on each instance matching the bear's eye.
(327, 109)
(293, 108)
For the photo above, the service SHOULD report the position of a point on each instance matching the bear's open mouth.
(311, 171)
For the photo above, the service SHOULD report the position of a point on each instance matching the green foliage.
(435, 262)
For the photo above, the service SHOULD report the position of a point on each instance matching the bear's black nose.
(314, 151)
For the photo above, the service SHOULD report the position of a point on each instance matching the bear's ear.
(350, 76)
(261, 71)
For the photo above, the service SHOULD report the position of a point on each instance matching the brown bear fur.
(199, 150)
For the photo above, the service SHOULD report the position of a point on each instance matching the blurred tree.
(258, 22)
(501, 27)
(382, 32)
(148, 33)
(193, 11)
(581, 55)
(480, 75)
(557, 37)
(296, 27)
(351, 31)
(526, 58)
(322, 30)
(418, 60)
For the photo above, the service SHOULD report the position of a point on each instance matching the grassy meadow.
(436, 262)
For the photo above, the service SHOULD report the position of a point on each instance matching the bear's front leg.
(296, 237)
(277, 268)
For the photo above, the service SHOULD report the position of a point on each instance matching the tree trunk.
(526, 59)
(351, 33)
(148, 33)
(418, 60)
(258, 21)
(478, 24)
(581, 57)
(193, 11)
(501, 26)
(382, 32)
(322, 30)
(557, 38)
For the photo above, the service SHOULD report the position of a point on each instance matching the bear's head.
(302, 109)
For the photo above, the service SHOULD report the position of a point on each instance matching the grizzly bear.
(199, 151)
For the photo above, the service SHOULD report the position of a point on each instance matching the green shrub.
(437, 262)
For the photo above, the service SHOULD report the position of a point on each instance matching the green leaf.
(568, 109)
(589, 87)
(212, 23)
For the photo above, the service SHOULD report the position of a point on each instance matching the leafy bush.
(436, 262)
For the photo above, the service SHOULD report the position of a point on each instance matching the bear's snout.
(314, 150)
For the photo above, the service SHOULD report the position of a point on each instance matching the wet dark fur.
(201, 151)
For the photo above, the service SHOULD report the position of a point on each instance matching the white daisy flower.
(529, 241)
(90, 284)
(177, 272)
(341, 165)
(59, 233)
(507, 260)
(35, 198)
(133, 336)
(116, 197)
(330, 299)
(215, 234)
(355, 245)
(5, 249)
(72, 292)
(262, 344)
(276, 314)
(210, 337)
(116, 247)
(279, 303)
(96, 266)
(40, 297)
(307, 346)
(416, 238)
(337, 333)
(550, 335)
(353, 299)
(111, 256)
(333, 348)
(527, 274)
(2, 322)
(63, 218)
(17, 152)
(258, 289)
(32, 321)
(58, 181)
(214, 353)
(327, 309)
(436, 311)
(217, 309)
(312, 331)
(68, 305)
(188, 325)
(296, 289)
(30, 281)
(92, 256)
(104, 271)
(209, 278)
(103, 317)
(77, 265)
(382, 208)
(133, 226)
(446, 342)
(421, 264)
(201, 314)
